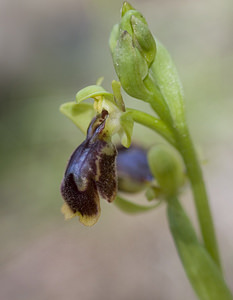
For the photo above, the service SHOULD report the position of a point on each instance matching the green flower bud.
(133, 50)
(145, 68)
(131, 67)
(167, 168)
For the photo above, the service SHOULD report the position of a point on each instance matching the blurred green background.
(48, 51)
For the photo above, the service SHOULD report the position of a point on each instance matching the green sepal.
(125, 23)
(203, 273)
(80, 114)
(127, 123)
(92, 91)
(132, 208)
(144, 38)
(167, 80)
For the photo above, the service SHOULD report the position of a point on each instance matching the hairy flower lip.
(90, 174)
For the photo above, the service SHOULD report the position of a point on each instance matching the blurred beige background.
(48, 51)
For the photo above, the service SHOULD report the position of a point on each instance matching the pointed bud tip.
(126, 7)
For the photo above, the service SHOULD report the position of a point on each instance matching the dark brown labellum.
(91, 173)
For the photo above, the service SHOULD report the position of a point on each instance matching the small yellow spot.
(88, 220)
(84, 219)
(67, 212)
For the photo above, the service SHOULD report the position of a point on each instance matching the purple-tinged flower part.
(132, 168)
(90, 174)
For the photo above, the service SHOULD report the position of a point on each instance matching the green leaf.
(80, 114)
(167, 79)
(132, 208)
(203, 273)
(126, 123)
(92, 91)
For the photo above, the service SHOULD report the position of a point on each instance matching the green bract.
(168, 82)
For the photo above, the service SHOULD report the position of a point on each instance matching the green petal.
(116, 88)
(92, 91)
(127, 123)
(132, 208)
(80, 114)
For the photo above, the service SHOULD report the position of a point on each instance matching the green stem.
(131, 207)
(153, 123)
(194, 172)
(180, 139)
